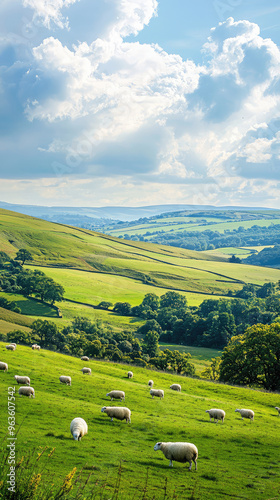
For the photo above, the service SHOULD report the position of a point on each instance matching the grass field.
(237, 459)
(201, 356)
(30, 306)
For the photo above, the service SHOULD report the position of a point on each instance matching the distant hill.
(79, 215)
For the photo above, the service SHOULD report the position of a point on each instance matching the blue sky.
(138, 102)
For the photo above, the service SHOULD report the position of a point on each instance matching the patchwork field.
(237, 459)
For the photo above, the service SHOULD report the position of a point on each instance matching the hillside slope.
(237, 459)
(66, 247)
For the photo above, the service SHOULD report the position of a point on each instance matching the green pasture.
(30, 306)
(241, 252)
(191, 224)
(6, 327)
(201, 356)
(237, 459)
(15, 318)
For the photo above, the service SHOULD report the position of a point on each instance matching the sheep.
(116, 395)
(151, 383)
(216, 414)
(36, 347)
(119, 412)
(64, 379)
(26, 391)
(176, 387)
(22, 380)
(10, 347)
(159, 393)
(3, 366)
(13, 343)
(180, 452)
(84, 358)
(86, 370)
(129, 374)
(78, 428)
(276, 407)
(246, 414)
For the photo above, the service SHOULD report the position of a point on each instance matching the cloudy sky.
(140, 102)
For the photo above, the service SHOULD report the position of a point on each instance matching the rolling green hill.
(93, 267)
(237, 459)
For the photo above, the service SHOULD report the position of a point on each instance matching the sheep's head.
(103, 409)
(157, 446)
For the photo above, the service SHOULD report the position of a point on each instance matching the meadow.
(237, 459)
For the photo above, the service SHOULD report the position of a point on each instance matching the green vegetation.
(236, 460)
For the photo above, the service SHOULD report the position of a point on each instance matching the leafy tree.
(234, 259)
(125, 346)
(19, 336)
(174, 300)
(151, 346)
(180, 362)
(151, 300)
(253, 358)
(104, 305)
(46, 332)
(150, 325)
(213, 370)
(122, 308)
(23, 255)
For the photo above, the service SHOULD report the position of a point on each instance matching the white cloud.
(112, 107)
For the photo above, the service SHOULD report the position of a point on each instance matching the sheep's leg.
(170, 463)
(195, 464)
(190, 467)
(111, 419)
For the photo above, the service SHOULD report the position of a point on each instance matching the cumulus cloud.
(110, 107)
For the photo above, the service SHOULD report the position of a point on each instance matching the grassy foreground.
(237, 459)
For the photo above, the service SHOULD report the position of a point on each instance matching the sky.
(140, 102)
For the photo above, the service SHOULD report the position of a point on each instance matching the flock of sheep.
(173, 451)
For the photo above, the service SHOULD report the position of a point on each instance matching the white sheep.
(64, 379)
(216, 414)
(129, 374)
(78, 428)
(119, 412)
(13, 343)
(84, 358)
(3, 366)
(36, 347)
(159, 393)
(180, 452)
(116, 395)
(22, 380)
(246, 413)
(86, 370)
(276, 407)
(151, 383)
(176, 387)
(26, 391)
(10, 347)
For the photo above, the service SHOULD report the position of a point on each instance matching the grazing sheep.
(176, 387)
(64, 379)
(26, 391)
(246, 414)
(180, 452)
(86, 370)
(116, 395)
(78, 428)
(119, 412)
(216, 414)
(84, 358)
(151, 383)
(36, 347)
(22, 380)
(13, 343)
(159, 393)
(276, 407)
(129, 374)
(3, 366)
(10, 347)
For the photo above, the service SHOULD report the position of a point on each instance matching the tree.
(104, 305)
(150, 346)
(213, 370)
(151, 300)
(180, 362)
(253, 358)
(23, 255)
(174, 300)
(122, 308)
(46, 332)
